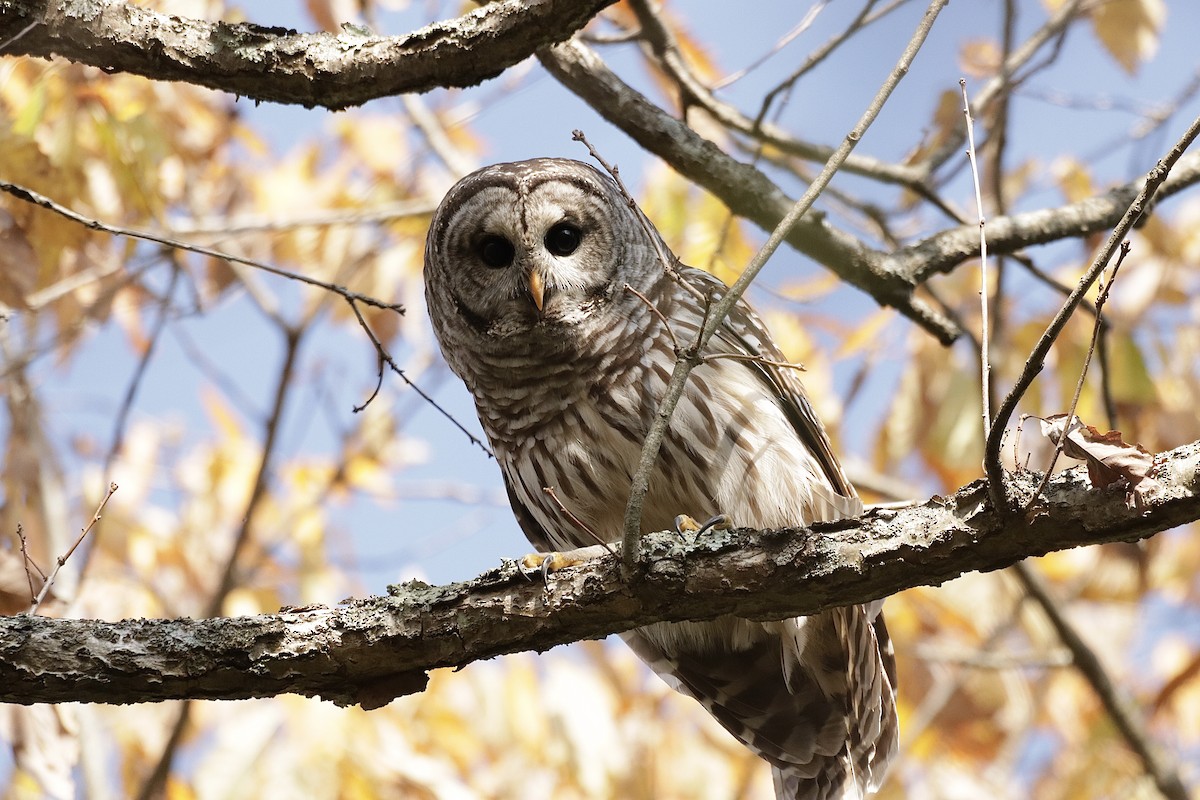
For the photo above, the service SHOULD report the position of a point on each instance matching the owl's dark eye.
(496, 251)
(563, 239)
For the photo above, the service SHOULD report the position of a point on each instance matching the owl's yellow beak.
(537, 289)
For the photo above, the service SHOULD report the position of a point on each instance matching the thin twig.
(61, 560)
(1101, 299)
(985, 364)
(1119, 707)
(7, 42)
(259, 223)
(1003, 80)
(30, 196)
(804, 24)
(861, 21)
(27, 561)
(386, 358)
(576, 521)
(654, 310)
(688, 360)
(768, 362)
(663, 43)
(665, 257)
(993, 468)
(997, 147)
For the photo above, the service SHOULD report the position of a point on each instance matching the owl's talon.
(721, 522)
(542, 564)
(685, 524)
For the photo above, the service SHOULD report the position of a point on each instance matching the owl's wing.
(745, 334)
(532, 529)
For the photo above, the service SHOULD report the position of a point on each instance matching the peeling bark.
(372, 650)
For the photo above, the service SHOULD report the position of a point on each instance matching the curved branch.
(283, 66)
(371, 651)
(744, 189)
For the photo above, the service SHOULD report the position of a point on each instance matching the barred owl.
(551, 301)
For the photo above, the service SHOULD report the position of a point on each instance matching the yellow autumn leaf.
(1129, 29)
(1073, 178)
(221, 415)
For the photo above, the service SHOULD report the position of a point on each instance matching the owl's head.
(532, 254)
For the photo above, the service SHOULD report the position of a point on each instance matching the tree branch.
(944, 251)
(742, 187)
(373, 650)
(281, 65)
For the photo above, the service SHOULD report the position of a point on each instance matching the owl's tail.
(813, 697)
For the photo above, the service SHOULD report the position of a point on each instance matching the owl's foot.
(542, 564)
(685, 524)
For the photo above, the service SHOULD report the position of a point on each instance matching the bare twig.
(666, 323)
(1037, 358)
(61, 560)
(27, 561)
(1101, 298)
(863, 19)
(1119, 707)
(1051, 31)
(800, 27)
(386, 358)
(259, 223)
(666, 258)
(985, 364)
(691, 357)
(576, 521)
(30, 196)
(768, 362)
(665, 47)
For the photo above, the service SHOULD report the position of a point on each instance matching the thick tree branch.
(281, 65)
(370, 651)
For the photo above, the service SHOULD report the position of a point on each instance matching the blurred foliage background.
(219, 398)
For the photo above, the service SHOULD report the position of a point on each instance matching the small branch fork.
(690, 358)
(994, 470)
(1097, 326)
(48, 580)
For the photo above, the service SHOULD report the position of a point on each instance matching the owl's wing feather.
(532, 529)
(745, 333)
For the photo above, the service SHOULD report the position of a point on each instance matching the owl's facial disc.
(529, 255)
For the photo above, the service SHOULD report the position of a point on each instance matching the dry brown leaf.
(1109, 458)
